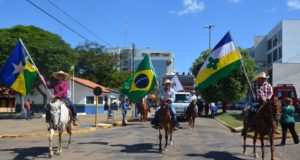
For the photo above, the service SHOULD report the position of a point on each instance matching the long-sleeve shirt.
(60, 88)
(288, 114)
(170, 94)
(265, 90)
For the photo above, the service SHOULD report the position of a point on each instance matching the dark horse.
(265, 124)
(165, 122)
(191, 113)
(143, 109)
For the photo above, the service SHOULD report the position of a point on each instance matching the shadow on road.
(100, 143)
(215, 155)
(138, 148)
(29, 153)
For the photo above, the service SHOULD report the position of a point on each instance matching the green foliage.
(100, 67)
(49, 52)
(232, 88)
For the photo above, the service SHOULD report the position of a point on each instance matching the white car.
(181, 103)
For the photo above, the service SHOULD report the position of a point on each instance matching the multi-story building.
(281, 46)
(163, 61)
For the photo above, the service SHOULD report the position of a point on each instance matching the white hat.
(167, 81)
(261, 75)
(57, 74)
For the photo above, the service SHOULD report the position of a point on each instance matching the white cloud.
(189, 7)
(234, 1)
(293, 4)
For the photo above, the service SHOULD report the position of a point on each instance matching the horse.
(60, 119)
(143, 109)
(265, 124)
(191, 113)
(165, 122)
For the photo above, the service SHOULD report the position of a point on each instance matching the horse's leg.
(166, 137)
(254, 144)
(194, 121)
(160, 137)
(51, 143)
(261, 137)
(272, 145)
(245, 130)
(69, 130)
(171, 141)
(60, 134)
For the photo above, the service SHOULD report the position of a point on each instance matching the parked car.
(181, 103)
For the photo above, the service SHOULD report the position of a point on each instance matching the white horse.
(59, 120)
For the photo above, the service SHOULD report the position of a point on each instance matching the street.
(209, 140)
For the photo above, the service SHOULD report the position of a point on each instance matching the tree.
(234, 87)
(49, 52)
(98, 66)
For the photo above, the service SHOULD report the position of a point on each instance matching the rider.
(167, 95)
(263, 92)
(61, 87)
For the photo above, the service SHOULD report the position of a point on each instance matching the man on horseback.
(263, 92)
(167, 96)
(61, 87)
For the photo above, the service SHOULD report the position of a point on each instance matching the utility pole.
(209, 27)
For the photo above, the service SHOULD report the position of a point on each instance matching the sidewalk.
(13, 127)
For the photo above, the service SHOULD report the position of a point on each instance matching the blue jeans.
(173, 111)
(124, 112)
(72, 107)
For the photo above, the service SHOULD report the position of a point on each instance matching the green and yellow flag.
(223, 59)
(141, 82)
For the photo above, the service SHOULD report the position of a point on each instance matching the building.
(163, 61)
(81, 94)
(279, 50)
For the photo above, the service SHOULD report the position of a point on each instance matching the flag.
(141, 82)
(17, 73)
(223, 59)
(177, 86)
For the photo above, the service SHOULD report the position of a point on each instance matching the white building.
(81, 94)
(279, 50)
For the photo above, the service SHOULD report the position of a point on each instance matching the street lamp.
(209, 27)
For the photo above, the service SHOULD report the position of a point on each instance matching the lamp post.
(209, 27)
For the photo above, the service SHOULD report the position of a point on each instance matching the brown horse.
(265, 124)
(165, 122)
(143, 109)
(191, 113)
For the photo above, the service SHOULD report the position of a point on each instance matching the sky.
(168, 25)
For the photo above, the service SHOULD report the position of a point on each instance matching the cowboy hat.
(57, 74)
(167, 81)
(261, 75)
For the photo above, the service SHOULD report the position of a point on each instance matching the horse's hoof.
(171, 143)
(50, 155)
(160, 150)
(256, 155)
(245, 153)
(69, 146)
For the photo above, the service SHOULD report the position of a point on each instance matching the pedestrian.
(206, 108)
(28, 109)
(213, 109)
(288, 120)
(124, 108)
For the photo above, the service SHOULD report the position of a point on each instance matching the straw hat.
(57, 74)
(261, 75)
(167, 81)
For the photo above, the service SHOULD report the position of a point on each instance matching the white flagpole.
(44, 83)
(243, 66)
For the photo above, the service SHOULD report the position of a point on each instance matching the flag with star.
(142, 82)
(223, 59)
(17, 73)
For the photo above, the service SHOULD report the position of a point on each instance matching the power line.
(80, 35)
(67, 14)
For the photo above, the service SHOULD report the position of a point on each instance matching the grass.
(233, 119)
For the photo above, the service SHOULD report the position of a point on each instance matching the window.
(270, 58)
(275, 40)
(275, 55)
(269, 44)
(279, 35)
(100, 100)
(90, 100)
(291, 94)
(280, 52)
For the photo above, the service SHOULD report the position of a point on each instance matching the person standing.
(288, 120)
(124, 108)
(28, 109)
(213, 109)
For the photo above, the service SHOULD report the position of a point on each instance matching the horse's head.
(55, 110)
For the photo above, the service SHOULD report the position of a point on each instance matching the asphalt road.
(209, 140)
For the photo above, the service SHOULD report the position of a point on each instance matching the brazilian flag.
(142, 82)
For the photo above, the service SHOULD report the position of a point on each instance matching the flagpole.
(44, 83)
(243, 66)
